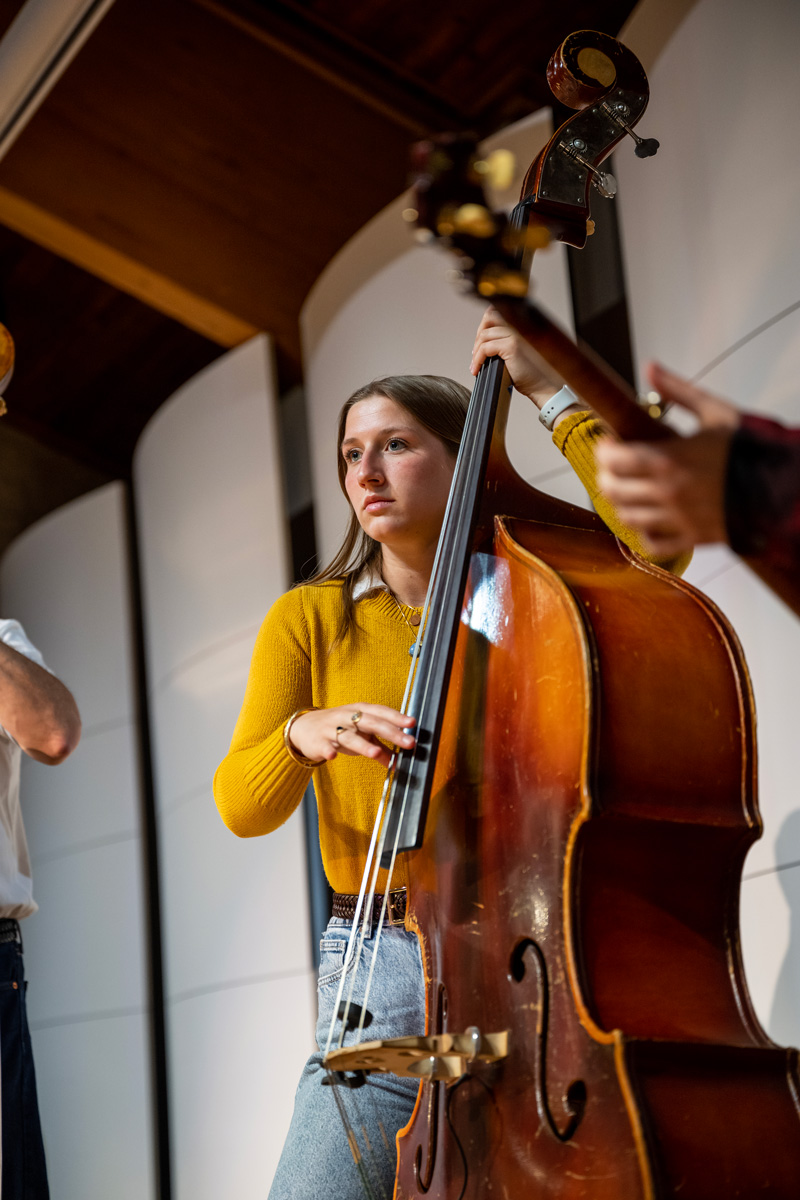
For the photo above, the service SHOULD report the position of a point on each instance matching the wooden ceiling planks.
(93, 364)
(209, 157)
(185, 144)
(482, 63)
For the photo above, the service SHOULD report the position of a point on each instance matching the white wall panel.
(94, 1096)
(384, 307)
(249, 1074)
(712, 247)
(66, 579)
(81, 618)
(235, 912)
(233, 906)
(74, 818)
(211, 509)
(195, 711)
(88, 935)
(771, 947)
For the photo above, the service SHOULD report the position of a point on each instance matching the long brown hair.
(438, 403)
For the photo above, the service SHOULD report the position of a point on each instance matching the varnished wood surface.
(570, 834)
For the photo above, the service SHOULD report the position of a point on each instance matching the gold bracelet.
(287, 729)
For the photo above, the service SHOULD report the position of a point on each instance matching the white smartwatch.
(556, 405)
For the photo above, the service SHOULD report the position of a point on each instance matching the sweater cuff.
(258, 789)
(271, 771)
(576, 437)
(564, 430)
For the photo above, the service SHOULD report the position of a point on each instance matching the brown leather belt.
(344, 906)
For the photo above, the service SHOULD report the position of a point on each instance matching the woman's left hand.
(494, 337)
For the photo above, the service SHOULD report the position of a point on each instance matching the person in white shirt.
(39, 717)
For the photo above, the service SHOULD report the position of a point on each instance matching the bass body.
(593, 801)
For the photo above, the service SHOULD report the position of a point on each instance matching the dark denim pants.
(24, 1170)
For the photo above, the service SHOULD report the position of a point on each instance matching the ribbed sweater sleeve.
(576, 437)
(258, 785)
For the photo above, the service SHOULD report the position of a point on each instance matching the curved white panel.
(66, 579)
(233, 905)
(94, 1096)
(194, 714)
(210, 509)
(232, 1148)
(712, 247)
(384, 306)
(82, 617)
(212, 533)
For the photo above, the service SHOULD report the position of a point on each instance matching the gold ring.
(356, 717)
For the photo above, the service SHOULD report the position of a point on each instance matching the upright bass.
(582, 794)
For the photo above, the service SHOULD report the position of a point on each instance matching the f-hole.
(435, 1100)
(528, 951)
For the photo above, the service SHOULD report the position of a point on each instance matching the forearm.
(258, 787)
(36, 708)
(258, 784)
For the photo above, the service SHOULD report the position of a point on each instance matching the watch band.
(556, 405)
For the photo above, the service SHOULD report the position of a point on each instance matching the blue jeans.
(316, 1160)
(24, 1170)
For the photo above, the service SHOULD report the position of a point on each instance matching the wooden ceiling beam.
(348, 66)
(133, 278)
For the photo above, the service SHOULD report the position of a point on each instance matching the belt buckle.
(396, 907)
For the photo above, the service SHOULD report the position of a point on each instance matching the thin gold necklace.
(416, 645)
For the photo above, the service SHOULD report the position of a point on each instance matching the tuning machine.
(604, 181)
(619, 113)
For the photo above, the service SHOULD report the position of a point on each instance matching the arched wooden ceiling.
(199, 164)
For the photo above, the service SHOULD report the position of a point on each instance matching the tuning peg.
(619, 111)
(497, 169)
(645, 147)
(604, 181)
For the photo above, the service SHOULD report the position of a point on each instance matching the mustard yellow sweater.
(258, 785)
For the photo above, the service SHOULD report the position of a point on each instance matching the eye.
(351, 456)
(395, 444)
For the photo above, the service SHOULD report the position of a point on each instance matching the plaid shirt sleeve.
(762, 495)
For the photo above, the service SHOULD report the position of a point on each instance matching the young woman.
(323, 695)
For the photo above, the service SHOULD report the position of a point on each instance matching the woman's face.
(398, 473)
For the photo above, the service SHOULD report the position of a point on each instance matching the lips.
(375, 504)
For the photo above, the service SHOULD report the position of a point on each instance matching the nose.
(369, 468)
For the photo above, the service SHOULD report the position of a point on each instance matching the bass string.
(361, 1157)
(362, 918)
(472, 444)
(469, 450)
(441, 580)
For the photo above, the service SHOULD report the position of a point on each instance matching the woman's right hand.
(325, 732)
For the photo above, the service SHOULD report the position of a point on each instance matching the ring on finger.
(356, 717)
